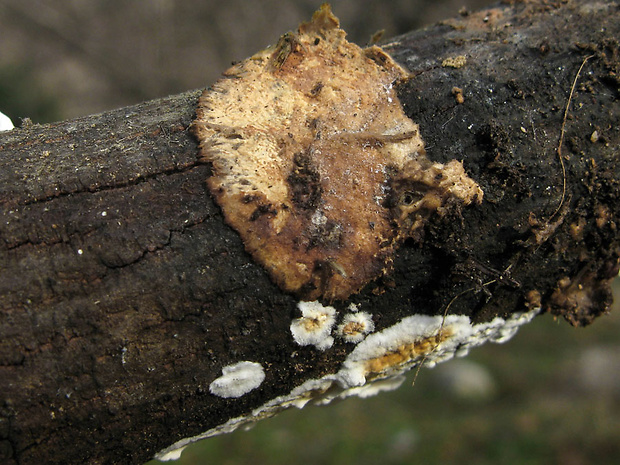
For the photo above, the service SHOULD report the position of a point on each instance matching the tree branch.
(123, 294)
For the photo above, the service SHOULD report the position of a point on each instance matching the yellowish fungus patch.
(405, 354)
(315, 163)
(355, 327)
(458, 95)
(351, 328)
(454, 62)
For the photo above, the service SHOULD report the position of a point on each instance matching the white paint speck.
(5, 123)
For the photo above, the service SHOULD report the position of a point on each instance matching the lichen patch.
(313, 158)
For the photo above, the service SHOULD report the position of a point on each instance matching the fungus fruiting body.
(315, 163)
(418, 338)
(315, 325)
(318, 168)
(355, 326)
(378, 363)
(454, 62)
(238, 379)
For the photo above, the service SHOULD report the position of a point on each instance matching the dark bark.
(123, 293)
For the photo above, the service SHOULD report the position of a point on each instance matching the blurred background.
(549, 396)
(61, 59)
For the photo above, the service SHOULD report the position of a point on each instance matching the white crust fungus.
(238, 379)
(174, 454)
(418, 338)
(397, 348)
(315, 325)
(355, 327)
(378, 363)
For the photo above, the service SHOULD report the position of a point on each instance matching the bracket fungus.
(315, 163)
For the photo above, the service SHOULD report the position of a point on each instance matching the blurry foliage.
(103, 54)
(21, 97)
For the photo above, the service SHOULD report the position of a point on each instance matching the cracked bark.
(123, 293)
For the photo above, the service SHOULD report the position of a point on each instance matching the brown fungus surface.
(316, 165)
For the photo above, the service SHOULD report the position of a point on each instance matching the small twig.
(570, 97)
